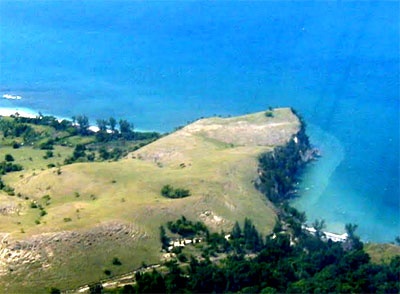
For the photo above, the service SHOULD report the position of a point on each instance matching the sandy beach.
(20, 111)
(23, 112)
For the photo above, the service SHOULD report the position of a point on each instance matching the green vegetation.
(382, 253)
(269, 113)
(280, 168)
(7, 167)
(219, 169)
(170, 192)
(116, 261)
(44, 132)
(9, 158)
(289, 260)
(107, 272)
(119, 211)
(187, 228)
(275, 265)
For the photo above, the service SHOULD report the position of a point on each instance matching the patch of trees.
(80, 155)
(276, 265)
(15, 129)
(7, 167)
(81, 122)
(247, 238)
(279, 169)
(269, 113)
(46, 120)
(48, 144)
(110, 142)
(111, 130)
(171, 192)
(113, 154)
(108, 130)
(290, 259)
(187, 228)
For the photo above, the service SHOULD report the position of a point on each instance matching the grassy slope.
(382, 253)
(215, 158)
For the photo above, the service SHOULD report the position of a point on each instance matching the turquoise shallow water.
(162, 64)
(328, 193)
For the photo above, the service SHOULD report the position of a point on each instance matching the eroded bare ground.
(253, 130)
(244, 133)
(44, 248)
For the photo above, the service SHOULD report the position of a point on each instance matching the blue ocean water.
(162, 64)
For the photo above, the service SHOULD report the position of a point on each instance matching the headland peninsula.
(78, 207)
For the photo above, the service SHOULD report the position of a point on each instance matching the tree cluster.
(79, 155)
(108, 130)
(187, 228)
(45, 120)
(7, 167)
(171, 192)
(280, 168)
(15, 129)
(275, 265)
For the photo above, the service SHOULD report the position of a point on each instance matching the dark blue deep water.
(161, 64)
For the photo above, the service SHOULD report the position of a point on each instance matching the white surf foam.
(12, 97)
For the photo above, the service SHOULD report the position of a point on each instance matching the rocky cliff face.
(279, 169)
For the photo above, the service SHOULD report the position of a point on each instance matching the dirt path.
(114, 282)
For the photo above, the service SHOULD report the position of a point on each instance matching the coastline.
(23, 112)
(29, 113)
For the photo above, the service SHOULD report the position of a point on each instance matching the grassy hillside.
(382, 253)
(100, 210)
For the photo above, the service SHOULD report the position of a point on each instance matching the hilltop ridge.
(115, 208)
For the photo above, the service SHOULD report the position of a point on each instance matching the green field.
(100, 210)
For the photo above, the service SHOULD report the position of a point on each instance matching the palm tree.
(353, 241)
(319, 225)
(350, 229)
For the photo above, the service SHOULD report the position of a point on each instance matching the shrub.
(46, 198)
(96, 288)
(9, 158)
(167, 191)
(269, 113)
(9, 190)
(107, 272)
(116, 261)
(48, 154)
(170, 192)
(67, 219)
(54, 291)
(47, 145)
(182, 257)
